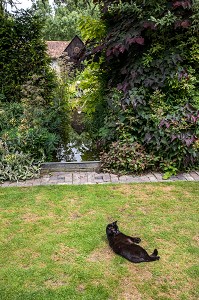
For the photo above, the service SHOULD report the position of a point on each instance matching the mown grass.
(53, 243)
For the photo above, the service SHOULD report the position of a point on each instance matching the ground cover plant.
(53, 243)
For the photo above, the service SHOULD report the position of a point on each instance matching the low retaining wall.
(86, 166)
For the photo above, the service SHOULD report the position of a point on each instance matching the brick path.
(64, 178)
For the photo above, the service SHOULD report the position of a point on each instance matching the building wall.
(55, 66)
(74, 48)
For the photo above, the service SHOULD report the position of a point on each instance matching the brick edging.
(75, 178)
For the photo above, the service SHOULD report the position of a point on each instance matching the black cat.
(125, 246)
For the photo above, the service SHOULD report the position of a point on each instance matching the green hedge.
(33, 113)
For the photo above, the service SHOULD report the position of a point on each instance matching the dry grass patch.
(141, 191)
(26, 258)
(64, 254)
(30, 217)
(61, 231)
(136, 275)
(196, 239)
(74, 215)
(81, 288)
(103, 254)
(29, 285)
(150, 190)
(27, 253)
(124, 208)
(39, 198)
(70, 201)
(124, 189)
(55, 283)
(129, 290)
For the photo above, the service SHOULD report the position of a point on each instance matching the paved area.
(64, 178)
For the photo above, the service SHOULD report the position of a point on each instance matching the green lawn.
(53, 243)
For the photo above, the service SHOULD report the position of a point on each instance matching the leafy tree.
(62, 20)
(4, 3)
(23, 53)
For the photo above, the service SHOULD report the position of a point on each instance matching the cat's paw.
(136, 240)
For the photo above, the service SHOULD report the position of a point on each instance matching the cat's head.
(112, 229)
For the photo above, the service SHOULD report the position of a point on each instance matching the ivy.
(151, 57)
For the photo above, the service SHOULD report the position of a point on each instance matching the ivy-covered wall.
(151, 62)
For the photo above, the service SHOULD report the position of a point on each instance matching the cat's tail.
(154, 255)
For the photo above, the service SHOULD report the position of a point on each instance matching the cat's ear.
(115, 222)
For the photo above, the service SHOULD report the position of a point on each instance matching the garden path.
(64, 178)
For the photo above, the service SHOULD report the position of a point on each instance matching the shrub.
(15, 166)
(10, 115)
(126, 157)
(38, 142)
(34, 125)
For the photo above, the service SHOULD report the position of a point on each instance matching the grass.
(53, 243)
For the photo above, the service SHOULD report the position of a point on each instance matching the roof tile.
(56, 48)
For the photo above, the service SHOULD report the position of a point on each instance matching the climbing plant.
(151, 60)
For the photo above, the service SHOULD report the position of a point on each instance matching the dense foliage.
(151, 61)
(62, 20)
(22, 53)
(32, 110)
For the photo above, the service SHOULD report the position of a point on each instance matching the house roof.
(56, 48)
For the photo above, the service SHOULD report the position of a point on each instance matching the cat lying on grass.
(127, 247)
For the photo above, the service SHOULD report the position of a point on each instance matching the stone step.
(84, 166)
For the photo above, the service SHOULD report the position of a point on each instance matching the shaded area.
(78, 148)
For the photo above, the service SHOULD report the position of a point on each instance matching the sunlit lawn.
(53, 243)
